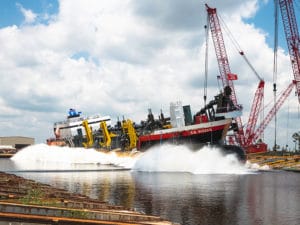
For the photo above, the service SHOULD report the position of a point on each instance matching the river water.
(185, 187)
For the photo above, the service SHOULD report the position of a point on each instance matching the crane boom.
(253, 138)
(292, 38)
(223, 64)
(220, 50)
(255, 109)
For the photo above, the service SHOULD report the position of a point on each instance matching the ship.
(209, 126)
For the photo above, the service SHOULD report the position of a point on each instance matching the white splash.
(256, 166)
(163, 158)
(208, 160)
(51, 157)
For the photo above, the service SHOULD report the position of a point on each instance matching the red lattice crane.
(293, 42)
(292, 38)
(223, 64)
(225, 72)
(255, 135)
(249, 138)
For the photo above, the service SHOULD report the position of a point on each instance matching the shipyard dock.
(23, 200)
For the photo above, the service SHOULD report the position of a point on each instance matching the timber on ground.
(289, 161)
(24, 200)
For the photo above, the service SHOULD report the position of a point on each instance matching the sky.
(119, 58)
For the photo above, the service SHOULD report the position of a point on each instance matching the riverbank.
(24, 200)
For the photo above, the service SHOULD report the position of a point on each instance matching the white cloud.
(130, 55)
(28, 14)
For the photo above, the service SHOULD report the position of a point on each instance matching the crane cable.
(237, 46)
(206, 60)
(275, 68)
(287, 125)
(241, 52)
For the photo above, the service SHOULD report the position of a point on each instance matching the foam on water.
(256, 166)
(162, 158)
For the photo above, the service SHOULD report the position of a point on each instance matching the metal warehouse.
(17, 142)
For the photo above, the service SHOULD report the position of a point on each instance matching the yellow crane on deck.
(89, 135)
(130, 133)
(107, 136)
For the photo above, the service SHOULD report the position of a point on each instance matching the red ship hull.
(196, 135)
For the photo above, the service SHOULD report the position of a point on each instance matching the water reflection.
(183, 197)
(271, 198)
(189, 199)
(262, 198)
